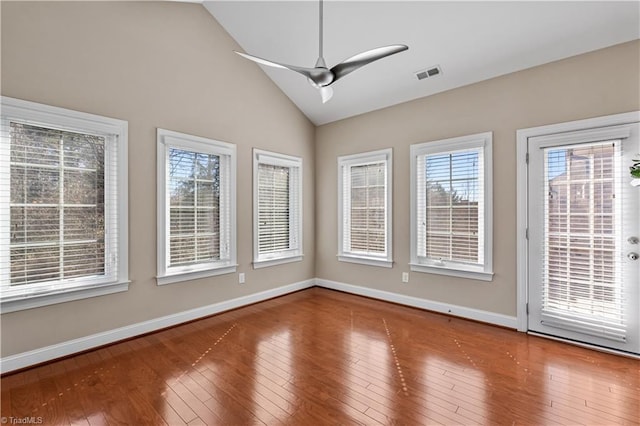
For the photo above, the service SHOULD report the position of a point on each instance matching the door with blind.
(584, 215)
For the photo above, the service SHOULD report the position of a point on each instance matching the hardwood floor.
(322, 357)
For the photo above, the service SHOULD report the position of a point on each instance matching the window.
(580, 277)
(364, 208)
(196, 207)
(451, 207)
(63, 205)
(277, 215)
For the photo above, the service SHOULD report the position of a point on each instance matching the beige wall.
(599, 83)
(167, 65)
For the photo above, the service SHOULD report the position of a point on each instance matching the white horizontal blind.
(365, 211)
(274, 207)
(450, 200)
(194, 193)
(582, 286)
(277, 223)
(227, 211)
(61, 214)
(295, 208)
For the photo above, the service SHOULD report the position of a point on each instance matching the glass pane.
(453, 194)
(464, 248)
(35, 224)
(375, 196)
(84, 151)
(359, 240)
(82, 187)
(182, 221)
(182, 250)
(375, 174)
(358, 197)
(208, 248)
(35, 145)
(438, 246)
(208, 194)
(181, 192)
(358, 218)
(207, 167)
(34, 264)
(34, 185)
(83, 259)
(208, 221)
(83, 223)
(437, 195)
(579, 254)
(439, 220)
(181, 164)
(358, 176)
(18, 225)
(375, 219)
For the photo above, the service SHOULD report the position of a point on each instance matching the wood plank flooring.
(320, 357)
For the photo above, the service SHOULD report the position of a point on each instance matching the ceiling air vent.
(429, 72)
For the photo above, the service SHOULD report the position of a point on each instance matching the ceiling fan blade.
(318, 76)
(262, 61)
(361, 59)
(326, 92)
(307, 72)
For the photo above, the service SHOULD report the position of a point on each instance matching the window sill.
(194, 275)
(366, 261)
(257, 264)
(60, 296)
(454, 272)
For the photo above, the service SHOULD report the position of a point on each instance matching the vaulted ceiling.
(469, 41)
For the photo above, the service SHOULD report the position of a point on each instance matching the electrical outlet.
(405, 277)
(241, 277)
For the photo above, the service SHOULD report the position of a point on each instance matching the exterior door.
(584, 225)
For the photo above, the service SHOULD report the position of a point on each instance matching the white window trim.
(286, 256)
(81, 122)
(386, 156)
(485, 272)
(167, 139)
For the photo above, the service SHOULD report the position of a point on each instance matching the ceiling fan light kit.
(322, 77)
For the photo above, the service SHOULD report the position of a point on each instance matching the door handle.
(633, 240)
(633, 256)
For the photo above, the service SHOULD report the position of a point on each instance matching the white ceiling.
(470, 41)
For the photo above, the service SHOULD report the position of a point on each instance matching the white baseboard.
(48, 353)
(455, 310)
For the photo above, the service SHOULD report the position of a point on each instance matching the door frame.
(522, 196)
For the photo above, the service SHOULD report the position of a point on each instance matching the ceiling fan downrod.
(320, 62)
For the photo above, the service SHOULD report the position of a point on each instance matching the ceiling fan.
(322, 77)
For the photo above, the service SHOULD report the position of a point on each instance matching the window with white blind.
(277, 215)
(63, 205)
(364, 208)
(196, 207)
(451, 207)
